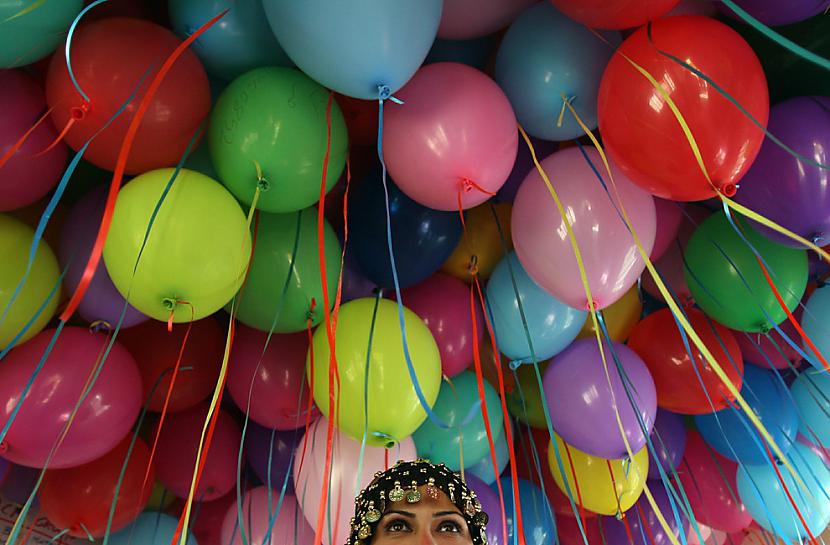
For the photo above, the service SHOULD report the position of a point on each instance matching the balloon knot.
(384, 92)
(592, 305)
(78, 113)
(100, 325)
(389, 441)
(728, 189)
(263, 184)
(817, 239)
(310, 315)
(4, 447)
(472, 268)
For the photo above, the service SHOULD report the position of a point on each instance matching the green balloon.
(525, 402)
(714, 257)
(32, 29)
(262, 300)
(276, 117)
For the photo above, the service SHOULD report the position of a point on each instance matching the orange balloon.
(481, 241)
(620, 318)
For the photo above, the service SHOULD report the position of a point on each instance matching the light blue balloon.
(484, 469)
(811, 392)
(239, 42)
(543, 55)
(355, 46)
(761, 492)
(816, 324)
(473, 53)
(150, 528)
(553, 325)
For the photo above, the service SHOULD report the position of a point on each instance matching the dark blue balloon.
(422, 238)
(537, 513)
(258, 441)
(475, 53)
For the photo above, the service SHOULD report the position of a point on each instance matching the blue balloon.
(736, 437)
(543, 55)
(150, 528)
(422, 238)
(816, 324)
(766, 500)
(537, 513)
(811, 392)
(357, 46)
(553, 325)
(484, 469)
(473, 53)
(239, 42)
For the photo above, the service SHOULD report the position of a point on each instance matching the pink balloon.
(443, 303)
(669, 218)
(288, 526)
(467, 19)
(612, 260)
(177, 448)
(709, 535)
(279, 398)
(454, 135)
(345, 482)
(103, 419)
(25, 178)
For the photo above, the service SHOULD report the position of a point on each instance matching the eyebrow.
(411, 515)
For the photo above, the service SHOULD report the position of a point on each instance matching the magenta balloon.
(770, 350)
(466, 19)
(776, 12)
(26, 177)
(456, 130)
(706, 8)
(670, 267)
(345, 481)
(261, 518)
(279, 398)
(104, 418)
(443, 303)
(611, 258)
(669, 218)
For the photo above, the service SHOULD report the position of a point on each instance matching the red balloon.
(156, 351)
(109, 58)
(641, 131)
(658, 342)
(361, 120)
(567, 528)
(614, 14)
(80, 497)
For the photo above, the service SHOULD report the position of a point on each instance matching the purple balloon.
(791, 192)
(102, 301)
(355, 284)
(645, 528)
(778, 12)
(580, 399)
(523, 166)
(19, 482)
(669, 440)
(258, 445)
(490, 504)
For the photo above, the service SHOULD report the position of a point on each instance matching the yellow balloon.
(160, 498)
(15, 241)
(598, 491)
(394, 411)
(481, 240)
(620, 318)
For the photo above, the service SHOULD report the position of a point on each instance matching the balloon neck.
(4, 447)
(729, 190)
(388, 440)
(591, 306)
(78, 113)
(263, 185)
(472, 268)
(169, 303)
(384, 92)
(817, 238)
(100, 325)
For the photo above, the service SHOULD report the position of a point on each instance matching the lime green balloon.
(525, 401)
(31, 29)
(394, 411)
(262, 301)
(196, 253)
(15, 242)
(714, 257)
(276, 117)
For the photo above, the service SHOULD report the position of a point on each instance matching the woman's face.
(430, 521)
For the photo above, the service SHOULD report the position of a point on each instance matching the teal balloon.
(238, 43)
(353, 47)
(766, 500)
(816, 324)
(150, 528)
(811, 392)
(455, 402)
(552, 324)
(32, 29)
(484, 468)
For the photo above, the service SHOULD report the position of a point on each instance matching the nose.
(425, 537)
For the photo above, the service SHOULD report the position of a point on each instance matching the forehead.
(433, 499)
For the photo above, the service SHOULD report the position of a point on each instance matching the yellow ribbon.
(28, 9)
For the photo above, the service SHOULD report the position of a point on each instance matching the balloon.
(669, 219)
(643, 522)
(643, 136)
(526, 402)
(160, 498)
(612, 261)
(603, 491)
(359, 47)
(80, 498)
(103, 418)
(263, 445)
(354, 284)
(443, 303)
(537, 518)
(484, 470)
(546, 55)
(19, 483)
(771, 13)
(25, 178)
(206, 523)
(195, 258)
(567, 528)
(523, 166)
(719, 265)
(465, 19)
(277, 118)
(584, 408)
(669, 440)
(150, 528)
(102, 301)
(344, 481)
(686, 383)
(482, 247)
(15, 243)
(814, 323)
(156, 351)
(620, 318)
(761, 489)
(112, 58)
(709, 9)
(551, 325)
(615, 13)
(178, 445)
(393, 410)
(490, 504)
(709, 535)
(422, 238)
(731, 433)
(453, 142)
(770, 350)
(476, 52)
(275, 382)
(238, 43)
(29, 33)
(811, 393)
(266, 303)
(266, 515)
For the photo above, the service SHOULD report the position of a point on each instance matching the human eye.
(450, 526)
(396, 526)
